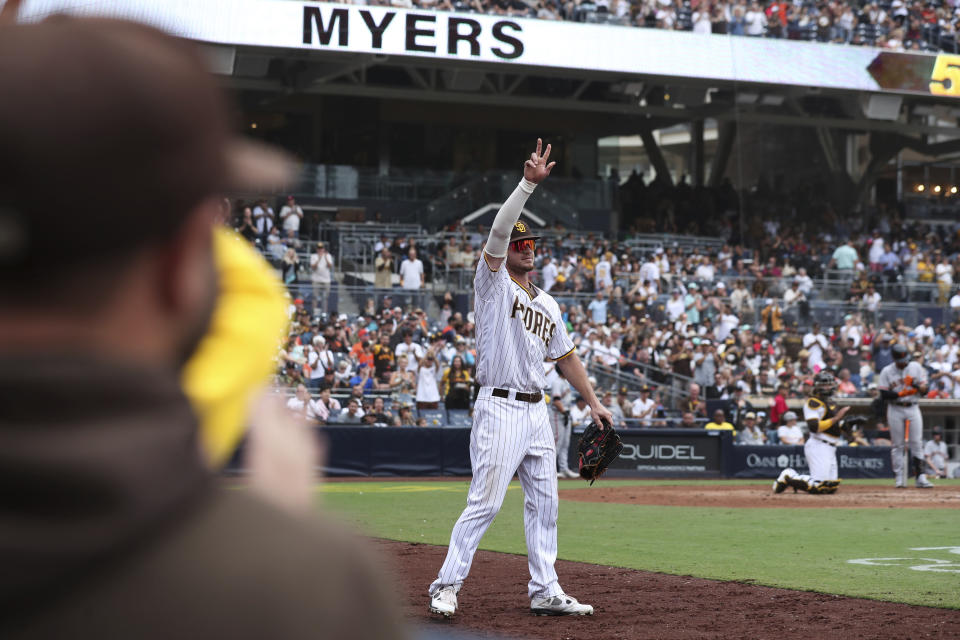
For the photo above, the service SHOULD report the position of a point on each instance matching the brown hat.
(521, 231)
(110, 133)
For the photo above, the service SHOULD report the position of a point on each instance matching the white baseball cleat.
(780, 485)
(444, 601)
(560, 605)
(923, 483)
(573, 475)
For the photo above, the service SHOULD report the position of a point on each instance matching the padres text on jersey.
(517, 329)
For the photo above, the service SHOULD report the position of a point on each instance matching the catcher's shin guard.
(824, 487)
(797, 483)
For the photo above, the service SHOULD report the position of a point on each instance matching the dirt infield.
(760, 496)
(638, 604)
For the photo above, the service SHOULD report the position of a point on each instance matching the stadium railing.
(493, 188)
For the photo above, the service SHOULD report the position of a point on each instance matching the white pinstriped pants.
(509, 436)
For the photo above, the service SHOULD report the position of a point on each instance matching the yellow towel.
(235, 359)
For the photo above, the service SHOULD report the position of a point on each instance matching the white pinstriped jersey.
(516, 331)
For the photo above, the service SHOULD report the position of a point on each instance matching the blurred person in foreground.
(114, 525)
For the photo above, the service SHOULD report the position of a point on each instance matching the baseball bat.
(905, 468)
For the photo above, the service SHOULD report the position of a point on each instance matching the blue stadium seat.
(434, 417)
(459, 418)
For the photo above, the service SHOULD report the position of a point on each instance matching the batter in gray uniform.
(902, 383)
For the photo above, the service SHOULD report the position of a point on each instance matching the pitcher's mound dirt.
(638, 604)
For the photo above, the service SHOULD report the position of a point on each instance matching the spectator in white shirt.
(705, 271)
(806, 283)
(935, 452)
(608, 353)
(411, 349)
(411, 276)
(871, 299)
(816, 345)
(290, 216)
(298, 403)
(644, 406)
(755, 21)
(675, 305)
(263, 217)
(789, 432)
(925, 330)
(650, 271)
(580, 415)
(428, 382)
(603, 273)
(411, 271)
(321, 275)
(727, 323)
(955, 302)
(550, 273)
(793, 296)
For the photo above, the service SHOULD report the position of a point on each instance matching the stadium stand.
(707, 324)
(890, 24)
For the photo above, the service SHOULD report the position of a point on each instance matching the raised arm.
(534, 171)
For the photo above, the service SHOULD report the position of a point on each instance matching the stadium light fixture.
(920, 188)
(253, 125)
(936, 188)
(953, 190)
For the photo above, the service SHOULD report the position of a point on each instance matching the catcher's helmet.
(900, 353)
(824, 385)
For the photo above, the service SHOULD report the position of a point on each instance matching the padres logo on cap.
(522, 228)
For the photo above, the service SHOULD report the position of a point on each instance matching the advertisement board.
(390, 31)
(665, 453)
(767, 461)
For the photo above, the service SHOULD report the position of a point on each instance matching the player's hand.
(536, 168)
(602, 416)
(907, 381)
(841, 413)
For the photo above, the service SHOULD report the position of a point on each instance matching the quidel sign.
(664, 452)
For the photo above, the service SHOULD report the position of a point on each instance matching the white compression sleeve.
(508, 215)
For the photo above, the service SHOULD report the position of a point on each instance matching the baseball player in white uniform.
(824, 420)
(518, 327)
(902, 383)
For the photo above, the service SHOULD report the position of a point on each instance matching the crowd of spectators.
(913, 25)
(667, 332)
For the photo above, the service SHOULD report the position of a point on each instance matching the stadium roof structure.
(604, 79)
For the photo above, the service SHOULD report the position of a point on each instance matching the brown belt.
(522, 397)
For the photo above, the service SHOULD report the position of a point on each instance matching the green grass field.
(805, 549)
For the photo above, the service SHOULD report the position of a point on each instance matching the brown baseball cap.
(110, 133)
(522, 231)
